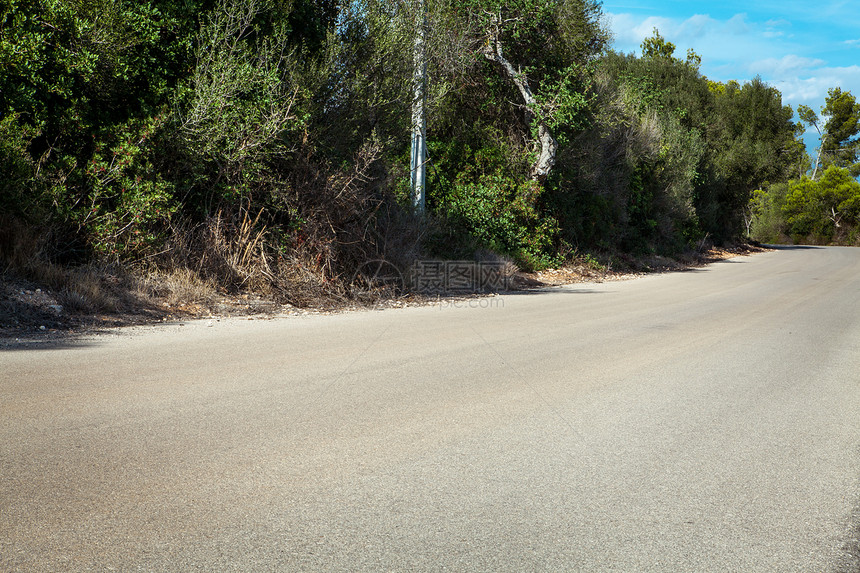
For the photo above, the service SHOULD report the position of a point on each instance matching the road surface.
(699, 421)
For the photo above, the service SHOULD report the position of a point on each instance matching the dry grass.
(79, 289)
(92, 289)
(303, 249)
(177, 287)
(306, 251)
(89, 290)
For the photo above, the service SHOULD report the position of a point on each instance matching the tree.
(88, 84)
(547, 144)
(645, 155)
(241, 96)
(310, 22)
(838, 136)
(842, 128)
(517, 75)
(540, 48)
(657, 47)
(754, 143)
(810, 118)
(821, 210)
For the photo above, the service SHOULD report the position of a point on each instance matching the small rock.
(42, 327)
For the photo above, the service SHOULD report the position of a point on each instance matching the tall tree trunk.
(419, 121)
(541, 168)
(818, 159)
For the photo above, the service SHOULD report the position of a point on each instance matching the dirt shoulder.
(31, 311)
(632, 268)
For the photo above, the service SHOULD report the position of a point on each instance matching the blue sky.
(802, 48)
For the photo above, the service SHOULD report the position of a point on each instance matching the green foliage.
(83, 85)
(648, 162)
(17, 168)
(564, 105)
(840, 141)
(766, 215)
(552, 45)
(361, 87)
(822, 210)
(129, 204)
(504, 216)
(75, 65)
(240, 97)
(544, 36)
(746, 136)
(694, 60)
(757, 142)
(280, 130)
(474, 188)
(838, 135)
(807, 116)
(309, 22)
(481, 136)
(657, 47)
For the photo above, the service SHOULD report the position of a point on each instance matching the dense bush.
(264, 144)
(823, 211)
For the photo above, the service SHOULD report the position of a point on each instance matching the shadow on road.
(62, 340)
(792, 247)
(566, 289)
(852, 545)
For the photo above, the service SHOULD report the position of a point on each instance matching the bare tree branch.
(493, 51)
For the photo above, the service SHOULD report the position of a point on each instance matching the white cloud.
(812, 89)
(806, 80)
(630, 31)
(737, 25)
(778, 23)
(739, 48)
(785, 66)
(696, 26)
(700, 32)
(776, 28)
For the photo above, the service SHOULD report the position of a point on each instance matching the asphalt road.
(699, 421)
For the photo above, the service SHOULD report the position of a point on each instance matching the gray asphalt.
(699, 421)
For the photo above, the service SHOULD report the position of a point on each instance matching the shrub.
(504, 216)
